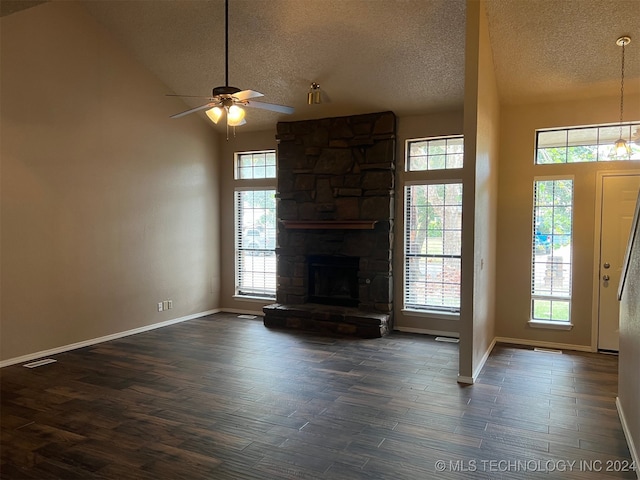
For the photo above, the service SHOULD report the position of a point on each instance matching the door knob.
(605, 278)
(606, 265)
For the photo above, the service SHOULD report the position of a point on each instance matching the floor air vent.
(447, 339)
(40, 363)
(547, 350)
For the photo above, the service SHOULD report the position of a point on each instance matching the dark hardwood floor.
(226, 398)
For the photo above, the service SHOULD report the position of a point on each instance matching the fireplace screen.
(333, 280)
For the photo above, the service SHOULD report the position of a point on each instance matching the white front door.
(619, 194)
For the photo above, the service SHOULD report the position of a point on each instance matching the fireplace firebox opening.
(333, 280)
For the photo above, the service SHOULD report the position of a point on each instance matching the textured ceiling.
(373, 55)
(553, 49)
(367, 55)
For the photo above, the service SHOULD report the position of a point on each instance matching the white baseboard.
(552, 345)
(471, 380)
(635, 455)
(484, 359)
(106, 338)
(461, 378)
(465, 380)
(425, 331)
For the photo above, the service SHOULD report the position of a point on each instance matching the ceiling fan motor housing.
(226, 90)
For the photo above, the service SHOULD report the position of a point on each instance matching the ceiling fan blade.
(247, 94)
(188, 96)
(269, 106)
(192, 110)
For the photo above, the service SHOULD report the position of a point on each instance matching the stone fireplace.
(335, 225)
(333, 280)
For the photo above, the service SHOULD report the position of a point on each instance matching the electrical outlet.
(170, 303)
(159, 306)
(165, 305)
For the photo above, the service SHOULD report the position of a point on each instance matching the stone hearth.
(335, 198)
(327, 319)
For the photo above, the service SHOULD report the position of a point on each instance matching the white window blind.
(255, 242)
(552, 250)
(433, 246)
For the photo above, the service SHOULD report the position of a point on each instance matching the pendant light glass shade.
(622, 148)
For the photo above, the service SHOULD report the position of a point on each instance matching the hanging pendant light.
(622, 148)
(313, 96)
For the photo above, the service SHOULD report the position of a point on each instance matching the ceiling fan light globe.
(235, 116)
(214, 114)
(237, 123)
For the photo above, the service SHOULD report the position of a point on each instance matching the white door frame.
(596, 249)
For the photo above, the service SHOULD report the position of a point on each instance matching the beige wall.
(629, 359)
(108, 206)
(481, 130)
(486, 191)
(515, 197)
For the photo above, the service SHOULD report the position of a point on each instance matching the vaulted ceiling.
(373, 55)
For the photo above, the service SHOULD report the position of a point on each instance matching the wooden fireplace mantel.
(330, 224)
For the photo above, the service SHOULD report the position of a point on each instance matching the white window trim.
(426, 313)
(236, 157)
(550, 325)
(432, 181)
(243, 185)
(580, 127)
(237, 293)
(252, 298)
(537, 323)
(429, 311)
(409, 141)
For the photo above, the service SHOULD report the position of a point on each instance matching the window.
(552, 250)
(251, 165)
(255, 224)
(432, 252)
(435, 153)
(587, 144)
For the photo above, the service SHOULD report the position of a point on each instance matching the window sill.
(253, 298)
(431, 314)
(550, 325)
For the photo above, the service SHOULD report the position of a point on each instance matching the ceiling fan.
(230, 100)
